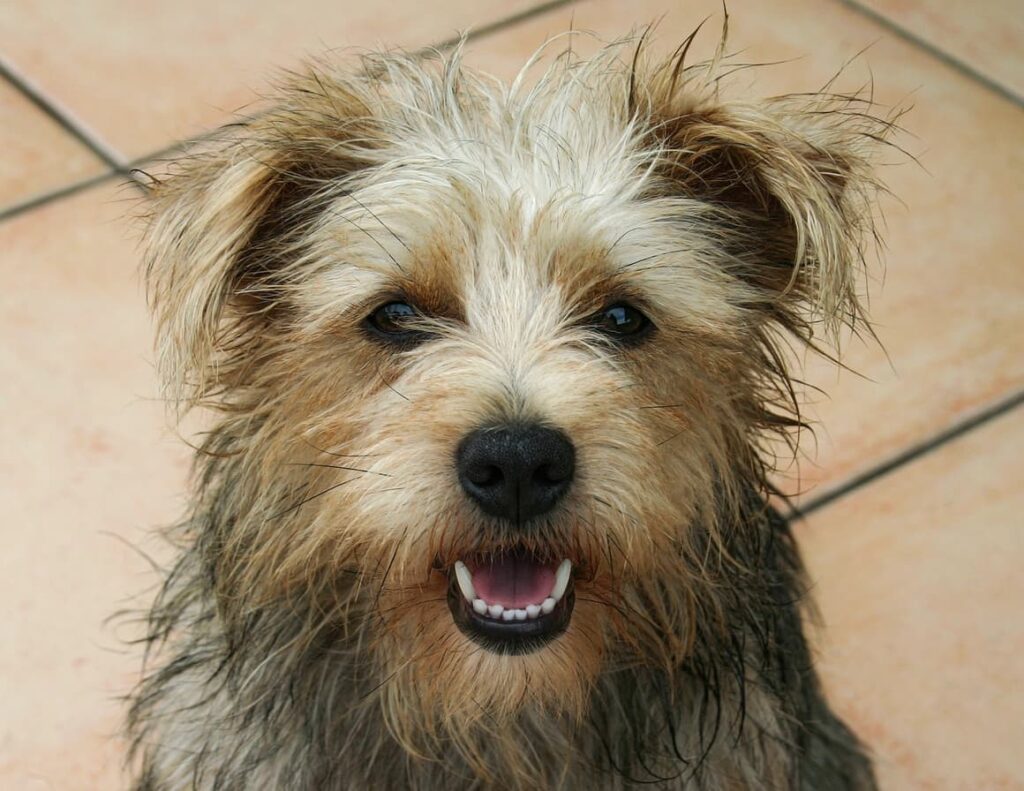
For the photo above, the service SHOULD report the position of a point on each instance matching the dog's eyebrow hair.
(621, 236)
(651, 257)
(383, 224)
(339, 214)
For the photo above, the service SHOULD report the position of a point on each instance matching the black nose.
(516, 472)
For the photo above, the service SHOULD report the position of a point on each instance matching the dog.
(497, 375)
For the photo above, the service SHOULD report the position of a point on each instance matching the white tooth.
(495, 610)
(532, 611)
(465, 580)
(547, 606)
(561, 579)
(520, 615)
(508, 615)
(479, 606)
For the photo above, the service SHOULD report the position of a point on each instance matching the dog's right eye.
(393, 321)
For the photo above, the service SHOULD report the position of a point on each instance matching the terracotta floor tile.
(918, 577)
(917, 574)
(146, 75)
(988, 36)
(87, 466)
(949, 312)
(38, 156)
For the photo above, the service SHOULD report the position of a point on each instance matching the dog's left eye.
(622, 321)
(393, 320)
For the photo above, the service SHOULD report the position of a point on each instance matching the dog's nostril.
(516, 472)
(549, 474)
(485, 475)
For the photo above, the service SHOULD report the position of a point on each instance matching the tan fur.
(327, 514)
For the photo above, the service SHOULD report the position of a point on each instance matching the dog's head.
(492, 363)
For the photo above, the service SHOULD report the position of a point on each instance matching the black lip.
(510, 637)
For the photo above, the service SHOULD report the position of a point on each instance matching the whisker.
(337, 467)
(391, 387)
(341, 455)
(301, 503)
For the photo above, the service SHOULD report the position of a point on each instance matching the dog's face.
(493, 364)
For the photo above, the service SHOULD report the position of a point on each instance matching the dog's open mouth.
(511, 602)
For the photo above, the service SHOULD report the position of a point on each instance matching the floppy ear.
(790, 186)
(224, 227)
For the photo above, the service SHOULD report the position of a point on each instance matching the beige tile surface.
(36, 155)
(87, 465)
(144, 75)
(986, 35)
(918, 577)
(950, 309)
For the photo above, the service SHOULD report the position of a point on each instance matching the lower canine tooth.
(547, 606)
(495, 610)
(479, 606)
(532, 610)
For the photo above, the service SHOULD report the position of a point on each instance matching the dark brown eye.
(393, 321)
(623, 321)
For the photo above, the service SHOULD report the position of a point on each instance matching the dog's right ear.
(224, 227)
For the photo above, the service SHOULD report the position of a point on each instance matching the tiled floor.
(916, 489)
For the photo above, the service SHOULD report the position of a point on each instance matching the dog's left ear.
(790, 188)
(223, 228)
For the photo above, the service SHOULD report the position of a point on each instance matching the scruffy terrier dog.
(496, 373)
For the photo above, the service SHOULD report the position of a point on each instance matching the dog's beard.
(500, 710)
(506, 713)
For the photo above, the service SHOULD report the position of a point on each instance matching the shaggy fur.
(302, 639)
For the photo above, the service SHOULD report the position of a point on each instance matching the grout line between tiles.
(501, 24)
(119, 167)
(909, 455)
(63, 117)
(9, 212)
(950, 60)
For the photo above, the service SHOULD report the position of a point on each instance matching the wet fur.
(301, 639)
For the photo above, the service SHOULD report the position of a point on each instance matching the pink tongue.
(512, 581)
